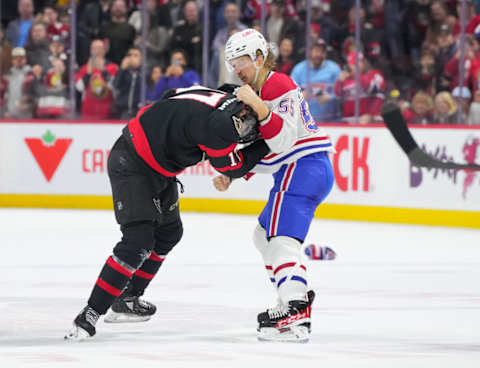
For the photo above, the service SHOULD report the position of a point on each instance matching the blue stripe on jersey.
(294, 152)
(282, 280)
(272, 280)
(298, 278)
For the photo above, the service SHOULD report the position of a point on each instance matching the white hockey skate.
(287, 323)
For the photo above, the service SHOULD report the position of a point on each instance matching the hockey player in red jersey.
(186, 126)
(302, 174)
(372, 90)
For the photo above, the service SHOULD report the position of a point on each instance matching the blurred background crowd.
(91, 62)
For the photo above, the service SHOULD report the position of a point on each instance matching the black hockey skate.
(128, 307)
(289, 322)
(83, 325)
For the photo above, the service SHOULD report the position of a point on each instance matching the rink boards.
(58, 164)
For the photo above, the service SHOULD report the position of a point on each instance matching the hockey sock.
(112, 280)
(142, 277)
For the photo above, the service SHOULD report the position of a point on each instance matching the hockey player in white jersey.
(303, 177)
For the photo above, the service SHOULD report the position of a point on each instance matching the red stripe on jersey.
(285, 265)
(108, 288)
(217, 152)
(277, 85)
(303, 267)
(155, 257)
(268, 267)
(287, 176)
(272, 155)
(118, 267)
(140, 142)
(144, 275)
(272, 128)
(277, 200)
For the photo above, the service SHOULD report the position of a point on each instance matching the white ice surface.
(397, 296)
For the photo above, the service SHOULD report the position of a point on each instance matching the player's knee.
(167, 236)
(283, 247)
(260, 239)
(136, 244)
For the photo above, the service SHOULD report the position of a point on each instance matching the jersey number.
(211, 99)
(308, 121)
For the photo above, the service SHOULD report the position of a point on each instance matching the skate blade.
(297, 334)
(77, 334)
(114, 317)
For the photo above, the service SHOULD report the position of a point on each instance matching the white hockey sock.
(261, 243)
(289, 273)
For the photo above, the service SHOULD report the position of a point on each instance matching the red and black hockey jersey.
(187, 126)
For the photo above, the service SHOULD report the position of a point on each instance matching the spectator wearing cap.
(463, 97)
(317, 77)
(421, 110)
(17, 107)
(188, 34)
(446, 49)
(119, 33)
(474, 113)
(371, 90)
(445, 108)
(94, 81)
(19, 29)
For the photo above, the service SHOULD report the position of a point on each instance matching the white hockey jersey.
(289, 130)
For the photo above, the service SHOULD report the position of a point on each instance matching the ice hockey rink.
(396, 296)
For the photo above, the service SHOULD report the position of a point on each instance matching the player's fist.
(221, 182)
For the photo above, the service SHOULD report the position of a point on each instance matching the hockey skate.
(83, 325)
(287, 323)
(130, 308)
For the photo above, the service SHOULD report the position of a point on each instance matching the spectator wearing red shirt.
(55, 28)
(421, 111)
(285, 61)
(372, 90)
(472, 18)
(94, 81)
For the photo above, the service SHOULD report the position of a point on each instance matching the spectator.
(285, 59)
(217, 73)
(446, 49)
(119, 33)
(17, 107)
(439, 16)
(322, 75)
(37, 46)
(371, 90)
(417, 21)
(159, 15)
(471, 65)
(90, 20)
(472, 18)
(155, 75)
(425, 72)
(176, 75)
(187, 35)
(127, 85)
(94, 81)
(278, 26)
(445, 109)
(5, 54)
(421, 111)
(474, 114)
(47, 92)
(55, 28)
(19, 29)
(463, 97)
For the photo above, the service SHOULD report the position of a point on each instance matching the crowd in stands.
(410, 54)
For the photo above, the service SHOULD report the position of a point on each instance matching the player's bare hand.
(221, 182)
(247, 95)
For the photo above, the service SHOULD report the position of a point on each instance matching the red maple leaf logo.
(48, 151)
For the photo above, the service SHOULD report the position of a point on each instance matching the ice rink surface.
(396, 296)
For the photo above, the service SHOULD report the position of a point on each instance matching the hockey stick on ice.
(394, 121)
